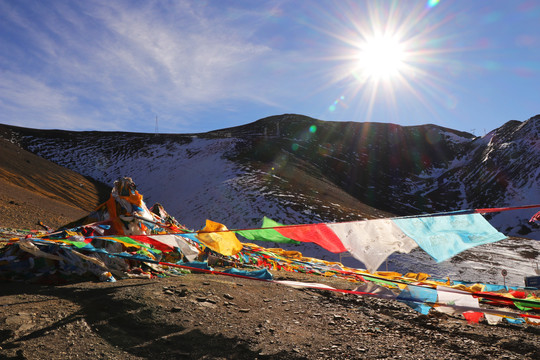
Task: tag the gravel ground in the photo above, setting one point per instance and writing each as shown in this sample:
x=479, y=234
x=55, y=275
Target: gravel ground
x=204, y=316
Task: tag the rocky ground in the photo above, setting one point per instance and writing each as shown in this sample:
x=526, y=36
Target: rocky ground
x=204, y=316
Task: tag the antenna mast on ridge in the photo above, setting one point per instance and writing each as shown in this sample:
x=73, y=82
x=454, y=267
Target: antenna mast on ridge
x=156, y=130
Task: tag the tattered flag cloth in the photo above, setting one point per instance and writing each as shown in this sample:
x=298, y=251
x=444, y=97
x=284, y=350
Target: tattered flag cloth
x=454, y=297
x=125, y=213
x=419, y=298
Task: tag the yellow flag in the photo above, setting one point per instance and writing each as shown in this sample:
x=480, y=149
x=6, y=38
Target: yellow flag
x=217, y=237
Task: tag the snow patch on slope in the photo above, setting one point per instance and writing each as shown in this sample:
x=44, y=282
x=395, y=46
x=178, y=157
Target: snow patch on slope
x=194, y=181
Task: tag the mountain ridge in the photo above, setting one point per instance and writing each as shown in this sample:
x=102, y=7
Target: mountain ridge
x=382, y=169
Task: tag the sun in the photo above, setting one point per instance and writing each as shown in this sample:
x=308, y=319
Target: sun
x=387, y=58
x=381, y=58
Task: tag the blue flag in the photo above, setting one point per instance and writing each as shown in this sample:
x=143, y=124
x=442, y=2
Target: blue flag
x=445, y=236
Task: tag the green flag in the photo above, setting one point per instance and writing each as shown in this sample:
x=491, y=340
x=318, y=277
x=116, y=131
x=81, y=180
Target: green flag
x=266, y=233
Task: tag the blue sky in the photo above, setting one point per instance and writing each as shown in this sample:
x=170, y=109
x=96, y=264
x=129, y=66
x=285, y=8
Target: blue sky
x=205, y=65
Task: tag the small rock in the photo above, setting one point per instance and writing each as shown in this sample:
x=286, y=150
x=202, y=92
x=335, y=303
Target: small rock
x=182, y=292
x=207, y=304
x=228, y=296
x=243, y=310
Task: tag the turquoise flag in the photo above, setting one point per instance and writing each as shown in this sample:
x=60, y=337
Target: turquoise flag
x=445, y=236
x=416, y=297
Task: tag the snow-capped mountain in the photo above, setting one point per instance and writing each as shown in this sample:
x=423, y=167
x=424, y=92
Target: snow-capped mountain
x=295, y=169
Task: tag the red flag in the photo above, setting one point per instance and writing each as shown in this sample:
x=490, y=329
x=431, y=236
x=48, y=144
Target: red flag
x=319, y=234
x=535, y=217
x=156, y=244
x=472, y=316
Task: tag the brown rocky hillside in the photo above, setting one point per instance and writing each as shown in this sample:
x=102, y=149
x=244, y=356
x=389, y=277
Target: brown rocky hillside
x=33, y=189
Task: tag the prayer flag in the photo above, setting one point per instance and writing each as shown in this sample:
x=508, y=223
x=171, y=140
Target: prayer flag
x=445, y=236
x=218, y=238
x=472, y=316
x=155, y=243
x=266, y=233
x=319, y=234
x=372, y=241
x=416, y=296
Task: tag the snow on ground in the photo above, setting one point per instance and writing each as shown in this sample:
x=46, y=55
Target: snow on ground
x=192, y=180
x=194, y=183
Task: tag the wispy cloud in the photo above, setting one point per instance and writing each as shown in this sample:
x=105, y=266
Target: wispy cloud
x=115, y=62
x=23, y=96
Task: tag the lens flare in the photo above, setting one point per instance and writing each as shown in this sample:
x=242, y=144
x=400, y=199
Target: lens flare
x=340, y=100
